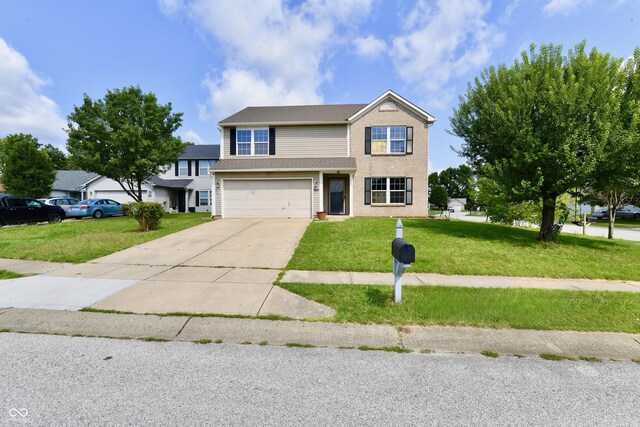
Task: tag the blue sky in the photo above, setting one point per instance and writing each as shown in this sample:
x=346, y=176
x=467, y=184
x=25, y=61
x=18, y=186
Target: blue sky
x=210, y=58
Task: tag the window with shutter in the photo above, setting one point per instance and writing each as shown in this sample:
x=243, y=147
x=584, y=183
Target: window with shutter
x=367, y=191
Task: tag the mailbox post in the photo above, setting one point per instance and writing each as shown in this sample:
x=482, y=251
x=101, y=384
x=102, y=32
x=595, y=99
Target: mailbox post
x=403, y=255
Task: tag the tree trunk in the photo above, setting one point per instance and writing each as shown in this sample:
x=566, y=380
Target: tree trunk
x=139, y=191
x=612, y=220
x=548, y=218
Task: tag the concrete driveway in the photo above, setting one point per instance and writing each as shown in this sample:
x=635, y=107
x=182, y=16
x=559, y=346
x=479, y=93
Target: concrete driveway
x=252, y=243
x=222, y=267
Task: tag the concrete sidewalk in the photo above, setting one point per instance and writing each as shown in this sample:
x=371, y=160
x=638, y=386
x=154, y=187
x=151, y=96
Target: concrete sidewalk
x=415, y=338
x=431, y=279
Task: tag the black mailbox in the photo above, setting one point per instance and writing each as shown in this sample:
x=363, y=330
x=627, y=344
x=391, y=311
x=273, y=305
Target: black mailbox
x=402, y=251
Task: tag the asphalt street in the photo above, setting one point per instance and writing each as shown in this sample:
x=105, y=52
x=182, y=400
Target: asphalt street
x=57, y=380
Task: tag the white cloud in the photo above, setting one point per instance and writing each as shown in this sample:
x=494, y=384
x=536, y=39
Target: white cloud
x=275, y=52
x=563, y=7
x=193, y=136
x=370, y=46
x=170, y=7
x=442, y=42
x=23, y=107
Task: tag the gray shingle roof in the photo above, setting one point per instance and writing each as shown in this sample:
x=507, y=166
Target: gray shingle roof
x=294, y=114
x=170, y=183
x=71, y=180
x=201, y=152
x=331, y=163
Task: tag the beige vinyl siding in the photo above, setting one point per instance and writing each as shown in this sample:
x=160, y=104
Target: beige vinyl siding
x=305, y=141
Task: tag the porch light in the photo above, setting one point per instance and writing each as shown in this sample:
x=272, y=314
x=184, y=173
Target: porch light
x=218, y=184
x=315, y=186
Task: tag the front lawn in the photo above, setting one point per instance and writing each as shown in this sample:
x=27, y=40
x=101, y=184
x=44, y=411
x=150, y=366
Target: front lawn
x=83, y=240
x=460, y=247
x=479, y=307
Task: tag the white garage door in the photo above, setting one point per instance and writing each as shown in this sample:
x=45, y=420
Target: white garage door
x=267, y=199
x=118, y=196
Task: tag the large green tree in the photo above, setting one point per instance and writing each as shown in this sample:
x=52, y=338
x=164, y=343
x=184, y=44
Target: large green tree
x=26, y=167
x=540, y=123
x=460, y=182
x=127, y=136
x=57, y=156
x=615, y=180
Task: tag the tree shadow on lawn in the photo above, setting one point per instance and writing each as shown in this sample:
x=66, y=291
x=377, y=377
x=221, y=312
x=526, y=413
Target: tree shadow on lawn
x=513, y=236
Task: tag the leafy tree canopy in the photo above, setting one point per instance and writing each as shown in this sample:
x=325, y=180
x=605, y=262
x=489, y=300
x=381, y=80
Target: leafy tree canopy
x=26, y=167
x=439, y=196
x=57, y=156
x=541, y=122
x=127, y=136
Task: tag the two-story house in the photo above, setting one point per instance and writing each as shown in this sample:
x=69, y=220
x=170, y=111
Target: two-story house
x=351, y=159
x=184, y=186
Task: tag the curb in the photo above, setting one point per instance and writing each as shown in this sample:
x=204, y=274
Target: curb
x=321, y=334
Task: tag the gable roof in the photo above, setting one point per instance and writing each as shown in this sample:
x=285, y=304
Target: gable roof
x=293, y=114
x=170, y=183
x=202, y=152
x=394, y=96
x=315, y=114
x=72, y=180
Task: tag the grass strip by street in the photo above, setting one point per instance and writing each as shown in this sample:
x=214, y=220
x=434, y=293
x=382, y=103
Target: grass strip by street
x=4, y=275
x=466, y=248
x=83, y=240
x=478, y=307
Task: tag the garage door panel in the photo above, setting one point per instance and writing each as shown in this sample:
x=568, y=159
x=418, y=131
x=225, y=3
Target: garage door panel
x=267, y=198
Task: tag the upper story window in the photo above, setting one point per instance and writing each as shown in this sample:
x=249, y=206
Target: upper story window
x=388, y=139
x=252, y=142
x=183, y=168
x=204, y=166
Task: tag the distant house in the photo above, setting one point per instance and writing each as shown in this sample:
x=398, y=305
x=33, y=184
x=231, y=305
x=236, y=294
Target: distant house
x=456, y=204
x=72, y=183
x=184, y=186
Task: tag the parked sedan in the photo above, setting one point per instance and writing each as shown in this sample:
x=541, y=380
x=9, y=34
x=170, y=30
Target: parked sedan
x=622, y=213
x=20, y=210
x=97, y=208
x=64, y=202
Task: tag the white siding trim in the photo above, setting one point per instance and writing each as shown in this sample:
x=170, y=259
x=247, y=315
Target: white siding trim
x=350, y=194
x=213, y=194
x=321, y=191
x=221, y=129
x=349, y=140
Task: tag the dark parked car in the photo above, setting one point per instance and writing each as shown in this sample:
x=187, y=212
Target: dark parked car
x=20, y=210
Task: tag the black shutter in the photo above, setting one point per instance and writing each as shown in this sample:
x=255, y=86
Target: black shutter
x=197, y=198
x=272, y=141
x=367, y=141
x=232, y=141
x=409, y=140
x=409, y=191
x=197, y=167
x=177, y=168
x=189, y=167
x=367, y=191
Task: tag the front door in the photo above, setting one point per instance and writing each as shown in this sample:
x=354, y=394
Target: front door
x=182, y=207
x=336, y=196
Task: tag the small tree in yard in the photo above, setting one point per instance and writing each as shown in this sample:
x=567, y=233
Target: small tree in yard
x=540, y=123
x=26, y=169
x=127, y=136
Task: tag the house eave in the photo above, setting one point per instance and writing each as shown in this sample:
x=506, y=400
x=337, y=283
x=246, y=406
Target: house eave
x=285, y=170
x=290, y=123
x=428, y=117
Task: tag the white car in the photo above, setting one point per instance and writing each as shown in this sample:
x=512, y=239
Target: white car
x=64, y=202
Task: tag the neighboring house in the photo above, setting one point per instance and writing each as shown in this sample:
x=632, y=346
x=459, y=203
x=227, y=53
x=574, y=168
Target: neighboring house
x=352, y=159
x=456, y=204
x=71, y=183
x=184, y=186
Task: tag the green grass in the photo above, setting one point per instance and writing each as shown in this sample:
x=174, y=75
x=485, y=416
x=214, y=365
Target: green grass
x=489, y=353
x=81, y=241
x=459, y=247
x=479, y=307
x=4, y=274
x=203, y=342
x=394, y=349
x=556, y=357
x=620, y=223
